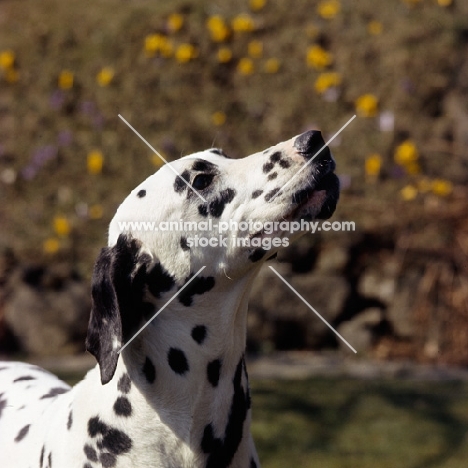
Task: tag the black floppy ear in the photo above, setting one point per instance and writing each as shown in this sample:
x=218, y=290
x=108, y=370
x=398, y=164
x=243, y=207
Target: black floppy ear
x=117, y=294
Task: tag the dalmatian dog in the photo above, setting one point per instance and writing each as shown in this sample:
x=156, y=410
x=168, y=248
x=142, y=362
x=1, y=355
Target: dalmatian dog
x=177, y=396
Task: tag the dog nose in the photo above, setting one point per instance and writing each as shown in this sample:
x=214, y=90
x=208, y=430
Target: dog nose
x=308, y=144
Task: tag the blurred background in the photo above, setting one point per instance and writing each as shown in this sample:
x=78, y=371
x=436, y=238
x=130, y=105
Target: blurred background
x=243, y=76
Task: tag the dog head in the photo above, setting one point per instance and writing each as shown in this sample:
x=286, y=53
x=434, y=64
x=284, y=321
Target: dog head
x=203, y=211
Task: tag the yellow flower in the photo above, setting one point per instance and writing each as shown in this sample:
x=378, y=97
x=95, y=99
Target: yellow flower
x=366, y=105
x=95, y=162
x=328, y=9
x=219, y=31
x=255, y=49
x=175, y=22
x=105, y=76
x=409, y=192
x=218, y=118
x=257, y=5
x=186, y=52
x=95, y=211
x=65, y=79
x=157, y=43
x=243, y=23
x=327, y=80
x=11, y=75
x=272, y=65
x=444, y=3
x=374, y=28
x=51, y=245
x=245, y=66
x=156, y=160
x=373, y=165
x=441, y=187
x=318, y=58
x=7, y=59
x=406, y=153
x=61, y=226
x=224, y=55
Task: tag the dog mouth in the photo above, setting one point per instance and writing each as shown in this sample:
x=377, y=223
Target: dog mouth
x=317, y=201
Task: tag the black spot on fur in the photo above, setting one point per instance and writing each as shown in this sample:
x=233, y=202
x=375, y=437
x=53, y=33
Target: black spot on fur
x=257, y=255
x=87, y=465
x=3, y=404
x=141, y=194
x=199, y=333
x=271, y=194
x=204, y=166
x=159, y=280
x=199, y=285
x=41, y=458
x=275, y=157
x=124, y=384
x=95, y=427
x=90, y=453
x=50, y=460
x=252, y=463
x=179, y=184
x=222, y=451
x=70, y=420
x=219, y=152
x=24, y=378
x=117, y=442
x=203, y=210
x=267, y=167
x=256, y=193
x=177, y=361
x=213, y=371
x=123, y=407
x=183, y=243
x=53, y=392
x=149, y=370
x=273, y=176
x=284, y=163
x=22, y=433
x=114, y=440
x=107, y=460
x=216, y=207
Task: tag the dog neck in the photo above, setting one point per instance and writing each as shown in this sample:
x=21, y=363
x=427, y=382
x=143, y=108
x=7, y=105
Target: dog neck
x=189, y=384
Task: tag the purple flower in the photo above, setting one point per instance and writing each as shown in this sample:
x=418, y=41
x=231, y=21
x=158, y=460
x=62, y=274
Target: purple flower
x=56, y=99
x=397, y=172
x=88, y=107
x=65, y=138
x=29, y=172
x=43, y=154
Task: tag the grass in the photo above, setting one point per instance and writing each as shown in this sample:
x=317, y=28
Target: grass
x=360, y=424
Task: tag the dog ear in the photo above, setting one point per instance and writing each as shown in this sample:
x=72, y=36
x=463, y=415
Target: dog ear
x=117, y=293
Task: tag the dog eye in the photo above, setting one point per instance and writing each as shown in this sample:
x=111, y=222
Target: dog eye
x=202, y=181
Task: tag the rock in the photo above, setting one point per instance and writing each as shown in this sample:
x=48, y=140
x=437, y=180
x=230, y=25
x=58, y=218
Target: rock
x=47, y=311
x=289, y=322
x=379, y=280
x=359, y=332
